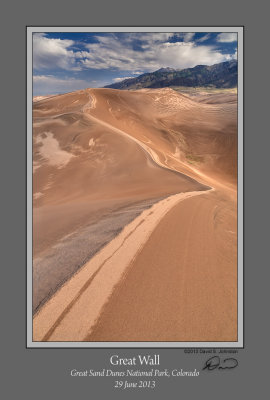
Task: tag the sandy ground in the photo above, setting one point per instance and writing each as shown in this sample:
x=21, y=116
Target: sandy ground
x=171, y=273
x=183, y=284
x=75, y=249
x=95, y=282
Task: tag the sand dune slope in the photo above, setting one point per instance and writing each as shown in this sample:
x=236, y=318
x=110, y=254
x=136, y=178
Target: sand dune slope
x=183, y=284
x=84, y=165
x=177, y=127
x=101, y=155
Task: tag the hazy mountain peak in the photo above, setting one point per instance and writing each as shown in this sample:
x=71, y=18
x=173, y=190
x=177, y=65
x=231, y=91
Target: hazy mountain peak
x=166, y=69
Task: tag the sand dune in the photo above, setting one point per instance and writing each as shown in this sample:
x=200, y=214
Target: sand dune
x=113, y=170
x=183, y=284
x=99, y=152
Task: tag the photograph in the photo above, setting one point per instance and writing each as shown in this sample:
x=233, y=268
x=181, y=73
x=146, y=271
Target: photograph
x=135, y=186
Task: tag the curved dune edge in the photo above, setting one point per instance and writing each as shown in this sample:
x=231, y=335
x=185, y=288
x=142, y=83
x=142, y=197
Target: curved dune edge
x=180, y=166
x=73, y=311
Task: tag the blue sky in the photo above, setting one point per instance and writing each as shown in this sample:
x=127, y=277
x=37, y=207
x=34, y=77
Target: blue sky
x=64, y=62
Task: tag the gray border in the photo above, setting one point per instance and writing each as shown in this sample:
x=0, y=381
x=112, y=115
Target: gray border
x=237, y=344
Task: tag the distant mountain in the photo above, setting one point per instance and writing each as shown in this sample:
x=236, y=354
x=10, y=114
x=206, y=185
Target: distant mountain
x=222, y=75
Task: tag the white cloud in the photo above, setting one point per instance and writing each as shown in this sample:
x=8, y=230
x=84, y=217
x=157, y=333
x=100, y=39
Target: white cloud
x=120, y=53
x=149, y=37
x=127, y=52
x=49, y=84
x=204, y=38
x=122, y=79
x=53, y=53
x=185, y=36
x=227, y=37
x=235, y=55
x=188, y=36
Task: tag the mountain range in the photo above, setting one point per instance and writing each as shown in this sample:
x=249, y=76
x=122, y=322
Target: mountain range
x=222, y=75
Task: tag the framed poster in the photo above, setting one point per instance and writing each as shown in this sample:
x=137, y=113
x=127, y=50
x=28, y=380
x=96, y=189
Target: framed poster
x=123, y=273
x=135, y=188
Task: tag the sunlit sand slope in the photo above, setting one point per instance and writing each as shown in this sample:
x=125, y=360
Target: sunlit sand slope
x=85, y=169
x=108, y=155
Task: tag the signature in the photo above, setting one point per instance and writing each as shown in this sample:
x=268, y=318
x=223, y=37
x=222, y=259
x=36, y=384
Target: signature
x=216, y=363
